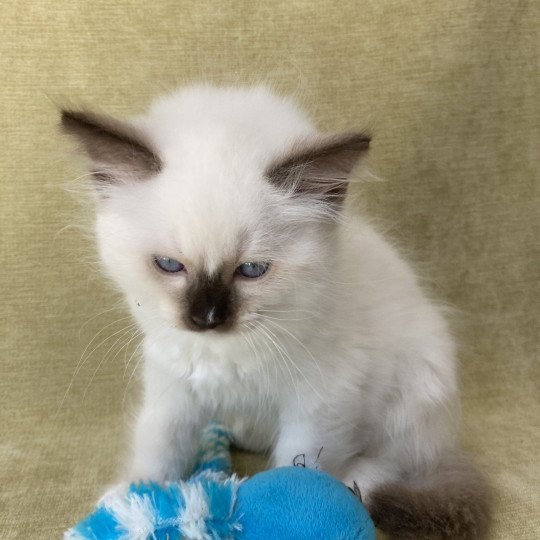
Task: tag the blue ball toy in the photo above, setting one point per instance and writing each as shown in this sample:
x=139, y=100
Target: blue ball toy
x=289, y=503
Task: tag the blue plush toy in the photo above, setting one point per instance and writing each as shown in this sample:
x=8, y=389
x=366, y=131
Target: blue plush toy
x=286, y=503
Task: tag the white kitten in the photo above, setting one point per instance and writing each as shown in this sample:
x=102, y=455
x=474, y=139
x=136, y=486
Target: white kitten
x=266, y=306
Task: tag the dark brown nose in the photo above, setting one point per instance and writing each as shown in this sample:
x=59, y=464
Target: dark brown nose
x=209, y=304
x=208, y=319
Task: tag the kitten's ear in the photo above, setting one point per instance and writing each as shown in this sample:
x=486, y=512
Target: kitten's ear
x=116, y=150
x=320, y=168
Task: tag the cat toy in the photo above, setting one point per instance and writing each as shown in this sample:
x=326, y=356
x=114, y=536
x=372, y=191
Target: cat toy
x=286, y=503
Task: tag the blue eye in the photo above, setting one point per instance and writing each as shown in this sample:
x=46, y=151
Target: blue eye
x=168, y=265
x=253, y=269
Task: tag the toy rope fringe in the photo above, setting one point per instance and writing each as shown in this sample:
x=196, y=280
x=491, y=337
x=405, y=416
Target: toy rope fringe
x=200, y=508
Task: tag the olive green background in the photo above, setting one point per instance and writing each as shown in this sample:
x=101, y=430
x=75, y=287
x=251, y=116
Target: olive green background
x=450, y=91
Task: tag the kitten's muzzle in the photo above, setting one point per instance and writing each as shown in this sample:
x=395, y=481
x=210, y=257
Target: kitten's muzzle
x=209, y=305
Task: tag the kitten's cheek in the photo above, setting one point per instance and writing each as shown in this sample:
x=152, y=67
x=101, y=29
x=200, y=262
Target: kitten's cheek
x=170, y=312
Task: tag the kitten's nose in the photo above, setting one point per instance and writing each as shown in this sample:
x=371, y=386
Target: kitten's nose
x=209, y=303
x=208, y=319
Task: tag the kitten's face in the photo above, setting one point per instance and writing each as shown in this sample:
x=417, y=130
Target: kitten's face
x=211, y=227
x=182, y=252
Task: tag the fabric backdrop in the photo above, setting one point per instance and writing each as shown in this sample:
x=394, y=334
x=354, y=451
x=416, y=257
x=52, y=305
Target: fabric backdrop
x=450, y=91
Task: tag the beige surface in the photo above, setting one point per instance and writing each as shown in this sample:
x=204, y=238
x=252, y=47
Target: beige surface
x=450, y=90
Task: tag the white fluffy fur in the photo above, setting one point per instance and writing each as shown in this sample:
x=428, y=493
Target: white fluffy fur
x=195, y=514
x=339, y=349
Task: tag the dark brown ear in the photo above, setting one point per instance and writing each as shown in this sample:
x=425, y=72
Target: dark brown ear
x=320, y=168
x=116, y=150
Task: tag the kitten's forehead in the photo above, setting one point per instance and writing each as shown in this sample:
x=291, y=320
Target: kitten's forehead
x=214, y=220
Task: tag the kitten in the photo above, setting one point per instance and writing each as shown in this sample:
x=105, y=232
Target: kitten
x=265, y=305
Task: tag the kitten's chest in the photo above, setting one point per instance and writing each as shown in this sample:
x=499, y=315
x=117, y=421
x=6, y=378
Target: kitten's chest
x=216, y=380
x=224, y=377
x=239, y=396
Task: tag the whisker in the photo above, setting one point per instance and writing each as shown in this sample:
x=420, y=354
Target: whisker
x=299, y=370
x=120, y=306
x=137, y=335
x=263, y=399
x=103, y=360
x=85, y=356
x=285, y=357
x=275, y=324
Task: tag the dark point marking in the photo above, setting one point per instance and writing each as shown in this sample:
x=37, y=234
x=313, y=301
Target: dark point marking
x=209, y=303
x=320, y=168
x=113, y=147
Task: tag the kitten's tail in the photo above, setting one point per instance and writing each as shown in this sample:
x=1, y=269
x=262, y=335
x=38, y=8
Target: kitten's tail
x=451, y=502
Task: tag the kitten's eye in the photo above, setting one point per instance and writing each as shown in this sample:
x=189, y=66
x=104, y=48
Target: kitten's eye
x=168, y=265
x=253, y=269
